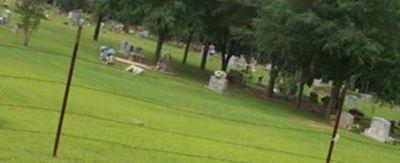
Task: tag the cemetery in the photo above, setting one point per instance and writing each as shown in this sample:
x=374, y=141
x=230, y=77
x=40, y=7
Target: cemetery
x=134, y=96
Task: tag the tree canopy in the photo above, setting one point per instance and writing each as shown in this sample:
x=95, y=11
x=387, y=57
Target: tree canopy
x=354, y=42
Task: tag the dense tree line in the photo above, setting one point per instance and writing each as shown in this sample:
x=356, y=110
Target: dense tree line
x=336, y=40
x=349, y=42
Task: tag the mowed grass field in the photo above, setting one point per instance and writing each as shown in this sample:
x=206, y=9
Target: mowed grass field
x=183, y=120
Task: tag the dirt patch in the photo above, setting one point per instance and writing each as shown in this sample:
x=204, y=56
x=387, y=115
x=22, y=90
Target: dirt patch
x=316, y=124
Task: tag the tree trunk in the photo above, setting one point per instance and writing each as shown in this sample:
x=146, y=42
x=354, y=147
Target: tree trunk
x=188, y=42
x=98, y=27
x=366, y=90
x=300, y=95
x=226, y=55
x=272, y=80
x=161, y=38
x=125, y=28
x=225, y=62
x=333, y=99
x=27, y=38
x=204, y=58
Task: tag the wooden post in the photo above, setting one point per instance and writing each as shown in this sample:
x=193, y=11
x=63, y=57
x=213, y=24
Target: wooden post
x=335, y=129
x=66, y=94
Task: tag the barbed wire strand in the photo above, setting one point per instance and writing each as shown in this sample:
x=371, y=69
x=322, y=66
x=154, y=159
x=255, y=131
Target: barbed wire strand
x=168, y=132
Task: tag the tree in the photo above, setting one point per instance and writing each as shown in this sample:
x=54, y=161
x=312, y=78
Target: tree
x=191, y=25
x=128, y=12
x=355, y=36
x=162, y=16
x=69, y=5
x=32, y=11
x=99, y=9
x=273, y=37
x=231, y=23
x=303, y=26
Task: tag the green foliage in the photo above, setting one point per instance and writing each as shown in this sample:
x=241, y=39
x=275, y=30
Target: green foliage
x=183, y=119
x=288, y=86
x=32, y=11
x=127, y=12
x=336, y=40
x=69, y=5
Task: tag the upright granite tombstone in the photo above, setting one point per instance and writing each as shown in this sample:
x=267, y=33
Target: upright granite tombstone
x=352, y=102
x=5, y=17
x=379, y=130
x=237, y=63
x=125, y=47
x=317, y=83
x=268, y=67
x=346, y=121
x=366, y=97
x=218, y=82
x=74, y=17
x=253, y=65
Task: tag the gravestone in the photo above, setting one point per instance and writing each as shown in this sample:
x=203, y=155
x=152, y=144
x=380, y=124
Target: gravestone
x=352, y=102
x=237, y=63
x=268, y=67
x=232, y=62
x=379, y=129
x=143, y=34
x=74, y=17
x=366, y=97
x=218, y=82
x=125, y=47
x=253, y=65
x=241, y=63
x=317, y=83
x=5, y=17
x=346, y=121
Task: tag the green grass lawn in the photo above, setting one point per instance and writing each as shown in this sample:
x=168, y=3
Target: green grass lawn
x=184, y=121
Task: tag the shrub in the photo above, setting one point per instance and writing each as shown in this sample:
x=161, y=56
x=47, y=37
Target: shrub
x=32, y=11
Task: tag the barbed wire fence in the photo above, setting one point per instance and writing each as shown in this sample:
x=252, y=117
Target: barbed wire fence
x=168, y=106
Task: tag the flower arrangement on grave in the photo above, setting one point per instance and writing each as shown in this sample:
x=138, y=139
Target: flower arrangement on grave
x=220, y=74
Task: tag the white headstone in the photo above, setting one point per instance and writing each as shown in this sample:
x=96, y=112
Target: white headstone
x=268, y=67
x=346, y=121
x=144, y=34
x=74, y=17
x=379, y=130
x=352, y=102
x=366, y=97
x=125, y=47
x=317, y=83
x=218, y=84
x=241, y=64
x=253, y=65
x=232, y=62
x=237, y=63
x=6, y=16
